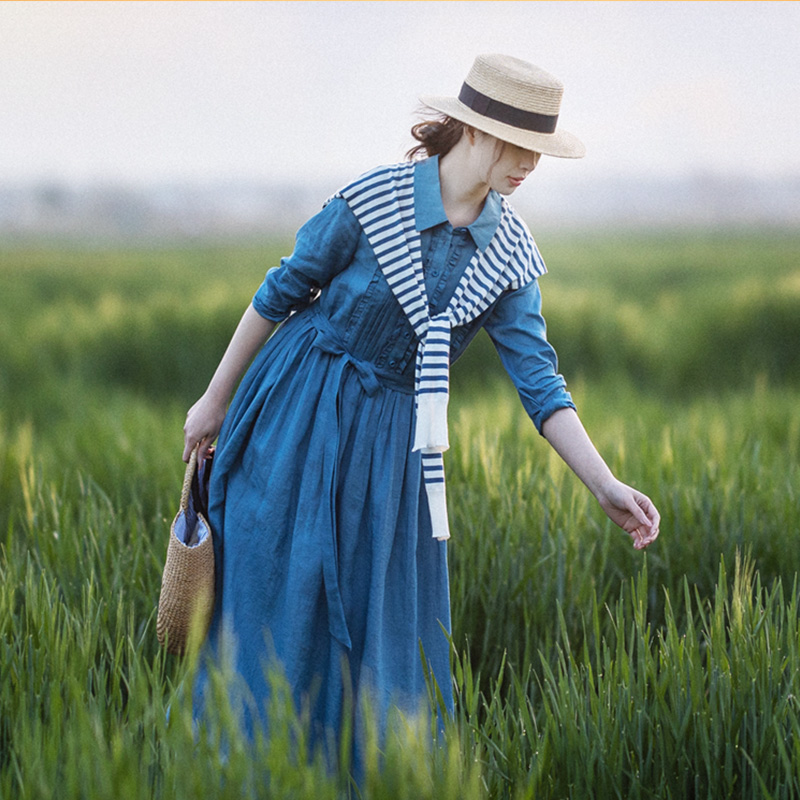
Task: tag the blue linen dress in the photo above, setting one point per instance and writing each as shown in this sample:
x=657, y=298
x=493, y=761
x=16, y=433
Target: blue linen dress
x=326, y=566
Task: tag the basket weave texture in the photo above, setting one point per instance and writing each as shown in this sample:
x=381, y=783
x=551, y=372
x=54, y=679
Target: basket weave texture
x=186, y=601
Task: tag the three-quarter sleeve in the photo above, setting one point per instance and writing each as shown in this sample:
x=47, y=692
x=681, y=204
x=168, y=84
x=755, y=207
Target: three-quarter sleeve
x=324, y=246
x=517, y=329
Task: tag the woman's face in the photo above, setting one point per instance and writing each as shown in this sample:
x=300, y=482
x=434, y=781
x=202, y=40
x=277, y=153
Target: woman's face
x=501, y=165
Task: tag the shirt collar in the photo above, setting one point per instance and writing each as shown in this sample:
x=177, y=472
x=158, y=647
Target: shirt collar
x=429, y=211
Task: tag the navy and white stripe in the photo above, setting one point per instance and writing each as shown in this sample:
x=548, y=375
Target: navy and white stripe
x=383, y=202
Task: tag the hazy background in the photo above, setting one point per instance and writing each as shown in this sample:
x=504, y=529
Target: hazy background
x=191, y=118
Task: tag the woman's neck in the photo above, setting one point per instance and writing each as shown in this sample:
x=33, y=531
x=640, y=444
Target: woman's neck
x=463, y=192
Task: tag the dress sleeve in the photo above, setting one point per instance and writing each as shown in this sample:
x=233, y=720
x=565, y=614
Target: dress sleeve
x=517, y=329
x=324, y=246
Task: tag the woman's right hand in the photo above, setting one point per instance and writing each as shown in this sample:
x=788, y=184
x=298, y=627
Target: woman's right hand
x=203, y=422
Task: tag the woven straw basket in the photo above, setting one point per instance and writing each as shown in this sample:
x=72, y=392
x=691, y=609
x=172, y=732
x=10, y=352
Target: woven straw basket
x=187, y=585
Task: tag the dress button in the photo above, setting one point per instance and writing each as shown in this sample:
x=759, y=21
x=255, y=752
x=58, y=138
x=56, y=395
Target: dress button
x=392, y=362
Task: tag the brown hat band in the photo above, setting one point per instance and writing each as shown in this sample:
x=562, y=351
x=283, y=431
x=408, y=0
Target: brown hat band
x=502, y=112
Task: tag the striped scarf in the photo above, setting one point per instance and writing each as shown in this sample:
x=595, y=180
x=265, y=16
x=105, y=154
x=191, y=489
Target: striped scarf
x=383, y=202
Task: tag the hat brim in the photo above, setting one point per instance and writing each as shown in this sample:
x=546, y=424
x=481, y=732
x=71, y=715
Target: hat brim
x=560, y=144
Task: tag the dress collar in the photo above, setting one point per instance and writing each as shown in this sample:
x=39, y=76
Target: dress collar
x=429, y=211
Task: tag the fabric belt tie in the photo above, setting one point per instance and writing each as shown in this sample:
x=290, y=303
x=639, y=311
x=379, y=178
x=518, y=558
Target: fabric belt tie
x=328, y=342
x=329, y=415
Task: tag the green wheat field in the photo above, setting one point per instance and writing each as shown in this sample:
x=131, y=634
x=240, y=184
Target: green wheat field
x=581, y=668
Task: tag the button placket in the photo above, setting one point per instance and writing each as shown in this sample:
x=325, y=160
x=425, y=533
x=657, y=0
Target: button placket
x=388, y=355
x=455, y=245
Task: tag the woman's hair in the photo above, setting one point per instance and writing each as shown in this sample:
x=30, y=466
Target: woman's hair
x=436, y=136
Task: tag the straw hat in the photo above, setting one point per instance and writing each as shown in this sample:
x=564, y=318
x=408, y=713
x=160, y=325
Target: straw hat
x=514, y=101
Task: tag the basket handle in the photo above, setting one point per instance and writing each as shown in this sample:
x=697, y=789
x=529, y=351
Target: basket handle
x=187, y=478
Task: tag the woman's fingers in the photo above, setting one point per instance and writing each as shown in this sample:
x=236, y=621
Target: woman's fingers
x=635, y=506
x=196, y=431
x=205, y=446
x=648, y=533
x=200, y=439
x=203, y=422
x=643, y=512
x=188, y=446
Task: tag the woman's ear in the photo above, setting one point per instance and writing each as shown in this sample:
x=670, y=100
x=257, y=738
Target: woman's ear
x=470, y=134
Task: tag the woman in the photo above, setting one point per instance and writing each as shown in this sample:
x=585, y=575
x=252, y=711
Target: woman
x=327, y=494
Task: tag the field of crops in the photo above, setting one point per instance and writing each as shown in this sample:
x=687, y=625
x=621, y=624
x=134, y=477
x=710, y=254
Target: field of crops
x=582, y=668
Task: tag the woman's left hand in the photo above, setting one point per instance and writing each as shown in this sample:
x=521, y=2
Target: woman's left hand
x=633, y=511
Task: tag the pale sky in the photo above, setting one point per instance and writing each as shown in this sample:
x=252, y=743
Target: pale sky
x=145, y=92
